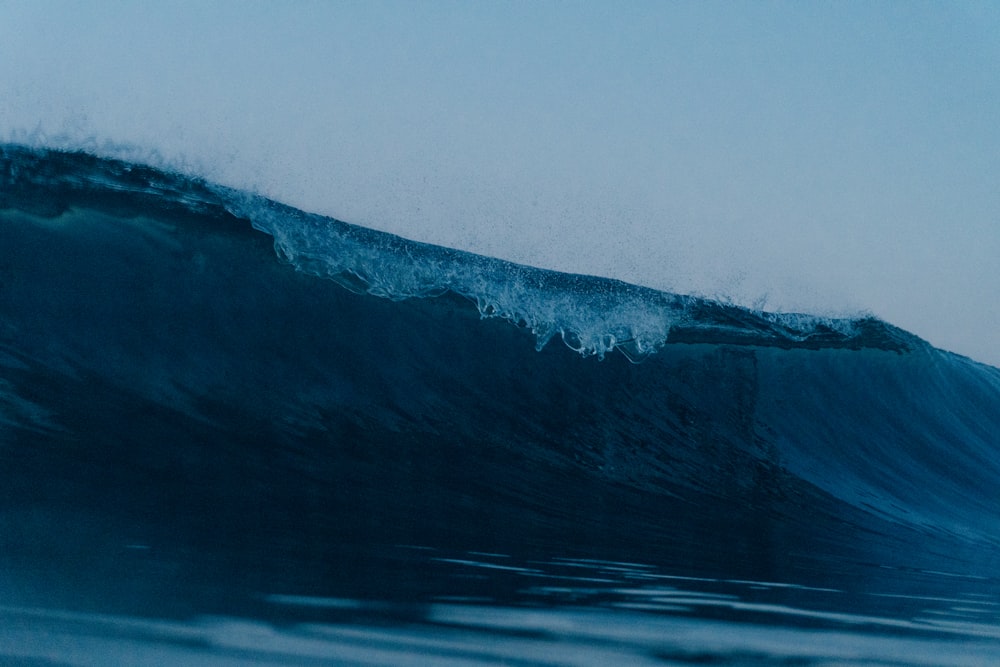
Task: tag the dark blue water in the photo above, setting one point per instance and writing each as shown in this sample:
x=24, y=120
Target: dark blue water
x=234, y=432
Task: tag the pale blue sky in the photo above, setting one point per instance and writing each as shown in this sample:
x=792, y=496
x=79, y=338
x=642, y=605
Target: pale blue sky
x=828, y=157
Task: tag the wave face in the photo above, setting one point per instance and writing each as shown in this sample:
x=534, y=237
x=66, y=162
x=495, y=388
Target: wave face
x=190, y=400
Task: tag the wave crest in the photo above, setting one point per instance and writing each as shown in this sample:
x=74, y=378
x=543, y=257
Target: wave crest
x=591, y=315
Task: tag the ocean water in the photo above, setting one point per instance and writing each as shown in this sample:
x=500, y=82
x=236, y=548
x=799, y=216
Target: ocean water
x=232, y=432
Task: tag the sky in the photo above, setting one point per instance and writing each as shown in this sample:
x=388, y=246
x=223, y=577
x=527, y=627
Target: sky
x=832, y=158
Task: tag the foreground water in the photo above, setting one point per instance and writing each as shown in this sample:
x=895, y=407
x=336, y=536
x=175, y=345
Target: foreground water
x=232, y=432
x=505, y=611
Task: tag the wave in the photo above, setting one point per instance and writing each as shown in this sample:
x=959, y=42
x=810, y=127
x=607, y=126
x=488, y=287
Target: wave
x=175, y=369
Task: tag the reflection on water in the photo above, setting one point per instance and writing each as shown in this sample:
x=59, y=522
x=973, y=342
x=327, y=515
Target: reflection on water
x=493, y=609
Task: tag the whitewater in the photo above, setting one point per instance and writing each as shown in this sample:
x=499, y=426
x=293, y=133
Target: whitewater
x=234, y=431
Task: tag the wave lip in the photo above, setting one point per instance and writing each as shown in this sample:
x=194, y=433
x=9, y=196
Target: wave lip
x=591, y=315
